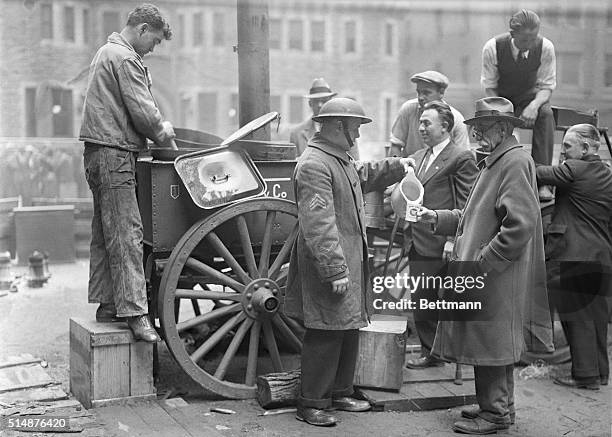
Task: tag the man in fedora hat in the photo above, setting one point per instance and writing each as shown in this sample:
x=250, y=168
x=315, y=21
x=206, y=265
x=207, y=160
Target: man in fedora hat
x=520, y=66
x=405, y=137
x=498, y=237
x=319, y=94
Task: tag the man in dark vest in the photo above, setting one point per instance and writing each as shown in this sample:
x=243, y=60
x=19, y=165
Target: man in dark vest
x=520, y=66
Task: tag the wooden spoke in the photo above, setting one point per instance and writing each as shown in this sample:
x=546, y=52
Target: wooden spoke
x=295, y=326
x=183, y=293
x=283, y=254
x=232, y=348
x=251, y=372
x=208, y=317
x=287, y=333
x=266, y=244
x=247, y=246
x=208, y=270
x=272, y=347
x=216, y=337
x=222, y=250
x=196, y=307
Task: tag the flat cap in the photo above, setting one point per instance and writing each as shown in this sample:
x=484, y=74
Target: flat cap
x=432, y=77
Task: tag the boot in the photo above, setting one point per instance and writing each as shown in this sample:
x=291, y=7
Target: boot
x=143, y=329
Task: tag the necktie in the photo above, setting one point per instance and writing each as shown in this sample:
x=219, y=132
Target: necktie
x=521, y=59
x=425, y=163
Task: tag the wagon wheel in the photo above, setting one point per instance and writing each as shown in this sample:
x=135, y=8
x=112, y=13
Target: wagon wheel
x=252, y=279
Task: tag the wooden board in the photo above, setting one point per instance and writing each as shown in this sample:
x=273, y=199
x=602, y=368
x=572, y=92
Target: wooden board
x=190, y=418
x=22, y=377
x=38, y=394
x=436, y=374
x=16, y=360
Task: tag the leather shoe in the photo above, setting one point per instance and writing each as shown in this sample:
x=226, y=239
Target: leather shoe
x=315, y=416
x=571, y=382
x=478, y=426
x=107, y=313
x=603, y=380
x=472, y=413
x=143, y=329
x=348, y=403
x=545, y=193
x=424, y=362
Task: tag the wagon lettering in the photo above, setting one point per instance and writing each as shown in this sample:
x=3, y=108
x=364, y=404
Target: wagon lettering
x=277, y=191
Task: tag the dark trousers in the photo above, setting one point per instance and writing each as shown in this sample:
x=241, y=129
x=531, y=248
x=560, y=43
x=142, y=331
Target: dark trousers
x=495, y=392
x=578, y=292
x=116, y=272
x=328, y=366
x=424, y=320
x=543, y=138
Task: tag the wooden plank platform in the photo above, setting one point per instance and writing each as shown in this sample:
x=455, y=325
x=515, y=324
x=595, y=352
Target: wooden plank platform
x=425, y=389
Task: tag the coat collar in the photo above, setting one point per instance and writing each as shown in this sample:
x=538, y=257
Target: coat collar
x=510, y=143
x=322, y=144
x=591, y=158
x=117, y=38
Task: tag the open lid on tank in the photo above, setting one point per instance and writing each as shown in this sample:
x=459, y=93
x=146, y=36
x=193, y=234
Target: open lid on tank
x=251, y=127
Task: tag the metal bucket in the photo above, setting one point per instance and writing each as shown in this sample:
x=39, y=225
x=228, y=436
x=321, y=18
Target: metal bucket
x=375, y=210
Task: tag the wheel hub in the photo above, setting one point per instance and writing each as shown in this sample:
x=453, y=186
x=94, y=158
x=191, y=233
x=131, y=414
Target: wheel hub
x=260, y=298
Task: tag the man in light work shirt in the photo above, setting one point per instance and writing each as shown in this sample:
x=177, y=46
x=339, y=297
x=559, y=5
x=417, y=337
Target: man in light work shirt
x=405, y=137
x=520, y=66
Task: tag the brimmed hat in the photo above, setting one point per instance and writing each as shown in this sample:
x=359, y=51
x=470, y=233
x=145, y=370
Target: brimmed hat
x=319, y=90
x=432, y=77
x=494, y=108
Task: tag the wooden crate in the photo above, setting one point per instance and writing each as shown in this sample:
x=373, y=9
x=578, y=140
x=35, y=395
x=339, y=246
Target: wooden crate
x=380, y=361
x=107, y=366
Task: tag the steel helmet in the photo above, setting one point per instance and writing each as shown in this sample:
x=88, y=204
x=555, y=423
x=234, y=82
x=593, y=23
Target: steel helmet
x=340, y=107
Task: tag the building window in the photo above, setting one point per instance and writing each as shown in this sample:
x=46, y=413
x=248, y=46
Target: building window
x=46, y=21
x=317, y=36
x=207, y=112
x=439, y=22
x=86, y=27
x=69, y=23
x=180, y=31
x=572, y=17
x=110, y=23
x=276, y=32
x=61, y=108
x=388, y=114
x=296, y=35
x=389, y=36
x=350, y=37
x=275, y=103
x=186, y=111
x=608, y=73
x=570, y=68
x=465, y=69
x=218, y=29
x=296, y=109
x=234, y=110
x=30, y=110
x=198, y=29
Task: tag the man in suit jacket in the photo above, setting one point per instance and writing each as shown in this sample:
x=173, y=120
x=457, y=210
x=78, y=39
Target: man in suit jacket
x=579, y=253
x=447, y=172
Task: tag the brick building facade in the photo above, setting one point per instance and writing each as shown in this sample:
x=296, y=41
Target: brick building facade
x=365, y=49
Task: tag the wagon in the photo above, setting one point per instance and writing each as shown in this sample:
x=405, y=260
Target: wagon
x=216, y=267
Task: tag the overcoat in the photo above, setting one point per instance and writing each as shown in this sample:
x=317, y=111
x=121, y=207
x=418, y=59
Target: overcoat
x=501, y=228
x=331, y=241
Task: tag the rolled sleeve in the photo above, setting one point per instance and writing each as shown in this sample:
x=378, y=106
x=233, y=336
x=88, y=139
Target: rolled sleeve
x=489, y=76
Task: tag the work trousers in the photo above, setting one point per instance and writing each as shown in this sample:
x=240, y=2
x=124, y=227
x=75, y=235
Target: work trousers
x=116, y=272
x=328, y=366
x=495, y=392
x=425, y=321
x=543, y=135
x=578, y=291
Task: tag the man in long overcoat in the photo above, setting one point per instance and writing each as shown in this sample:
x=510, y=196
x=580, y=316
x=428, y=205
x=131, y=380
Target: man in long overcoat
x=500, y=229
x=326, y=286
x=579, y=253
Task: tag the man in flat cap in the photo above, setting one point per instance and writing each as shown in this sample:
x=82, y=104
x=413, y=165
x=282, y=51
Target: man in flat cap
x=405, y=137
x=498, y=237
x=520, y=66
x=319, y=94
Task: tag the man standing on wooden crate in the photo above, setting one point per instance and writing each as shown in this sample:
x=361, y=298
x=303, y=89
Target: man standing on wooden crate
x=447, y=172
x=498, y=238
x=520, y=65
x=119, y=114
x=327, y=278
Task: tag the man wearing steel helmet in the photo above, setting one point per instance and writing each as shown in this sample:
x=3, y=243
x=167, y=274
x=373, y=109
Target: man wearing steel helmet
x=405, y=137
x=498, y=237
x=326, y=286
x=319, y=94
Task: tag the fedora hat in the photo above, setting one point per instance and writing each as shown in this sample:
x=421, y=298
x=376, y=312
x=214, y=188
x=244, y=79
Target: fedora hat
x=494, y=108
x=319, y=90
